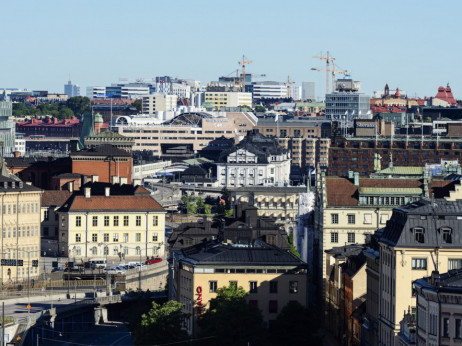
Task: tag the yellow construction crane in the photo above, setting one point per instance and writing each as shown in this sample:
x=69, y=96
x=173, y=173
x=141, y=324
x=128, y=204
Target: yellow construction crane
x=327, y=69
x=288, y=83
x=243, y=63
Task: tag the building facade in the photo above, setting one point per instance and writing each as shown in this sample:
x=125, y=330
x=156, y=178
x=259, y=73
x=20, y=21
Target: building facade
x=112, y=221
x=269, y=90
x=71, y=90
x=228, y=99
x=20, y=236
x=158, y=103
x=256, y=161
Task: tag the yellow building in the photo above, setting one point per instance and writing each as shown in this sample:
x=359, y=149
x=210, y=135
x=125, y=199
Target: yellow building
x=112, y=221
x=228, y=99
x=20, y=217
x=420, y=238
x=273, y=277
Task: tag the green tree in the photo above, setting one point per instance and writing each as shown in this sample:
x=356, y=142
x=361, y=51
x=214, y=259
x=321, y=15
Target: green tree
x=200, y=204
x=78, y=104
x=207, y=209
x=296, y=325
x=64, y=112
x=137, y=104
x=162, y=324
x=293, y=249
x=260, y=109
x=231, y=320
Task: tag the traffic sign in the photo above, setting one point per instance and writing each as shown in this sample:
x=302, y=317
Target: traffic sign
x=28, y=306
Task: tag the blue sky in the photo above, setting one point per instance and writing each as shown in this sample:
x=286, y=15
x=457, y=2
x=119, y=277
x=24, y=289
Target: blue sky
x=410, y=44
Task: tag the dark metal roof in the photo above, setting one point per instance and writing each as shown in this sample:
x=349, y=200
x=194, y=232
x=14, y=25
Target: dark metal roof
x=102, y=150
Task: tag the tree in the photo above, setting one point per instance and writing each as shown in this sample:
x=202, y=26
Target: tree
x=200, y=204
x=293, y=249
x=137, y=104
x=78, y=104
x=207, y=209
x=231, y=320
x=260, y=109
x=162, y=324
x=296, y=325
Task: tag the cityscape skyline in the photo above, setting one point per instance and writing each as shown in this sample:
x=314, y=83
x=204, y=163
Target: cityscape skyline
x=95, y=52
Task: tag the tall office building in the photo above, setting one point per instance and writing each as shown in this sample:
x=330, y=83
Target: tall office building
x=308, y=91
x=71, y=90
x=346, y=100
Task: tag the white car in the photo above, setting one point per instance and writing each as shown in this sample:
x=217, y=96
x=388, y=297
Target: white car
x=114, y=270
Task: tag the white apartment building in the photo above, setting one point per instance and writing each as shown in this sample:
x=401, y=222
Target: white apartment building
x=269, y=90
x=158, y=103
x=256, y=161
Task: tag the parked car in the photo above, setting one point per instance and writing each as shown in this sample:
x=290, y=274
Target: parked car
x=59, y=269
x=114, y=270
x=153, y=260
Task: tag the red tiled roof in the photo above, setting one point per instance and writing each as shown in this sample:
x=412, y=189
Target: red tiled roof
x=341, y=192
x=115, y=203
x=54, y=198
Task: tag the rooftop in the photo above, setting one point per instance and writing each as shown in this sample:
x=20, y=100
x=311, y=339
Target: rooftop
x=102, y=150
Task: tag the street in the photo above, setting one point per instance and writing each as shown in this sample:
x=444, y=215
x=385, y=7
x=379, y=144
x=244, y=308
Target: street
x=110, y=334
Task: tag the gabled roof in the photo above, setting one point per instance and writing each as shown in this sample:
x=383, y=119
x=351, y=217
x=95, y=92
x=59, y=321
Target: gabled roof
x=112, y=204
x=55, y=198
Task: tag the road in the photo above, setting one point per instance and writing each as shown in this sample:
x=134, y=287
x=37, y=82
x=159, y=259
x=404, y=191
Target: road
x=110, y=334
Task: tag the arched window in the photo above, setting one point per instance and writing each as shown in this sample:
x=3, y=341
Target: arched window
x=155, y=250
x=115, y=251
x=106, y=250
x=138, y=250
x=78, y=251
x=94, y=250
x=447, y=234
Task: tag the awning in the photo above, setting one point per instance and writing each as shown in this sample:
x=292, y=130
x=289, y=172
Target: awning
x=267, y=199
x=283, y=200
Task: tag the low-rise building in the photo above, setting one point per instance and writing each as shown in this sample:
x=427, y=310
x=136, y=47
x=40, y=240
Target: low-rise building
x=112, y=221
x=256, y=161
x=228, y=99
x=273, y=277
x=20, y=236
x=439, y=308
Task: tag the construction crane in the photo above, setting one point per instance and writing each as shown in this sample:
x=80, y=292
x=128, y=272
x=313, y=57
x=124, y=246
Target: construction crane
x=243, y=63
x=327, y=69
x=288, y=83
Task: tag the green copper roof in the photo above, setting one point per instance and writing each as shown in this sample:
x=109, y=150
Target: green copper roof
x=383, y=191
x=99, y=118
x=403, y=170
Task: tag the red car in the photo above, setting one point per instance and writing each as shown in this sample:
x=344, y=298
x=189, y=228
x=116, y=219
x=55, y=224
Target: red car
x=153, y=260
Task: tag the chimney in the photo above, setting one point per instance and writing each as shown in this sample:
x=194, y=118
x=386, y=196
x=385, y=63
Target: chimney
x=17, y=154
x=107, y=191
x=356, y=178
x=87, y=192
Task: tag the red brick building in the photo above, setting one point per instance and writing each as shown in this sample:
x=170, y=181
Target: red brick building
x=108, y=163
x=50, y=127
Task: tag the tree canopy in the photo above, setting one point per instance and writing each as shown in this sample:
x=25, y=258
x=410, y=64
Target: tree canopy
x=57, y=110
x=231, y=320
x=162, y=324
x=78, y=104
x=137, y=104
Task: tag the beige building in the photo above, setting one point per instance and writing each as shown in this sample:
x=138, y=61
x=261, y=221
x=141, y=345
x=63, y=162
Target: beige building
x=420, y=238
x=112, y=221
x=307, y=140
x=20, y=213
x=273, y=277
x=228, y=99
x=191, y=130
x=158, y=103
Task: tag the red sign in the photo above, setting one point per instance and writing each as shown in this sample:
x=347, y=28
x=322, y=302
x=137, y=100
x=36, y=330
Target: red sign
x=199, y=306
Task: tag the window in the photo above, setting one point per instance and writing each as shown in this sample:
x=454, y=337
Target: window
x=447, y=235
x=78, y=221
x=419, y=235
x=368, y=218
x=273, y=288
x=273, y=306
x=212, y=286
x=445, y=327
x=116, y=221
x=419, y=263
x=125, y=237
x=106, y=250
x=78, y=238
x=454, y=263
x=253, y=287
x=106, y=237
x=115, y=251
x=138, y=250
x=45, y=214
x=94, y=250
x=383, y=218
x=126, y=220
x=94, y=237
x=351, y=237
x=115, y=237
x=351, y=219
x=106, y=221
x=155, y=220
x=138, y=220
x=78, y=252
x=334, y=218
x=138, y=236
x=457, y=327
x=293, y=286
x=154, y=237
x=334, y=237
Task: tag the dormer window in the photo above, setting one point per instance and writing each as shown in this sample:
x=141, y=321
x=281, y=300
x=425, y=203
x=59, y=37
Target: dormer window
x=419, y=235
x=447, y=235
